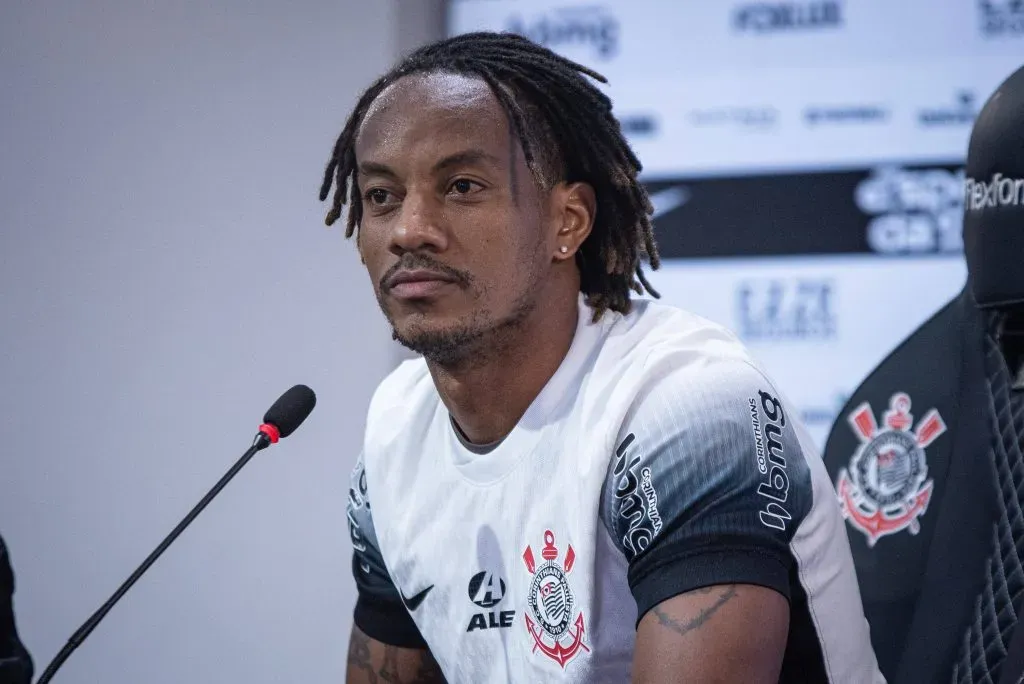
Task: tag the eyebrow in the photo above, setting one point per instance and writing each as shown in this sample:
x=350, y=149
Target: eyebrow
x=463, y=158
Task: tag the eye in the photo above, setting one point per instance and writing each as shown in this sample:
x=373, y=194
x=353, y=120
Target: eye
x=464, y=186
x=377, y=196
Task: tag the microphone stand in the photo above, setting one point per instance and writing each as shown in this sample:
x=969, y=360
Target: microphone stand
x=262, y=441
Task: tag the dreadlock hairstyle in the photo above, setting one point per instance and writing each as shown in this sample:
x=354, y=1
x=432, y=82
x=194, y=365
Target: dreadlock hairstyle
x=561, y=120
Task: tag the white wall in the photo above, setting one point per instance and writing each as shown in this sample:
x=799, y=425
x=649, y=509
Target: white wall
x=164, y=275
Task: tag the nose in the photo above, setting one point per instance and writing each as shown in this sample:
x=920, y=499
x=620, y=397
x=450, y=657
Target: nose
x=420, y=226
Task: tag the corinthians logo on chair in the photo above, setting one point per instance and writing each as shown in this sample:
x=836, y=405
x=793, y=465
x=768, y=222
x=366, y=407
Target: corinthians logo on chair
x=886, y=488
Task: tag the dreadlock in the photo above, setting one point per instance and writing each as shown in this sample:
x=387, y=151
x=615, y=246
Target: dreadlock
x=550, y=105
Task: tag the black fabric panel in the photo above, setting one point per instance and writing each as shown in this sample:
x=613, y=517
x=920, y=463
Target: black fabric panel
x=387, y=621
x=16, y=665
x=804, y=662
x=729, y=563
x=994, y=618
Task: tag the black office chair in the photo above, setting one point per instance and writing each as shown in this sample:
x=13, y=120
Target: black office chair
x=15, y=663
x=927, y=454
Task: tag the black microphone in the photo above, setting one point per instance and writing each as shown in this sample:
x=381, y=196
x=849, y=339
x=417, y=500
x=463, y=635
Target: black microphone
x=281, y=420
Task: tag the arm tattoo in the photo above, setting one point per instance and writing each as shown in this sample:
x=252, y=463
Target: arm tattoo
x=359, y=655
x=360, y=658
x=389, y=668
x=429, y=672
x=683, y=628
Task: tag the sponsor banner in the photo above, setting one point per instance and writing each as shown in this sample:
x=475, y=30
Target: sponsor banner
x=729, y=35
x=799, y=118
x=1000, y=19
x=818, y=325
x=719, y=87
x=889, y=210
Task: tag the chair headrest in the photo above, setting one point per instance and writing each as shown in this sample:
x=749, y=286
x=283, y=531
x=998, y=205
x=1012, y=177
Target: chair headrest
x=994, y=198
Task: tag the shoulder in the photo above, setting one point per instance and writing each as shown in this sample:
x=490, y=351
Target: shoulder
x=655, y=340
x=708, y=446
x=679, y=359
x=401, y=397
x=409, y=376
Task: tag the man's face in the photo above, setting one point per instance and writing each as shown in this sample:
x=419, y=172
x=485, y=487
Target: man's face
x=456, y=233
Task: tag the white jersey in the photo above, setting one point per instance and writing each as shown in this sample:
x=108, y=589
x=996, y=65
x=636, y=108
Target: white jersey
x=657, y=460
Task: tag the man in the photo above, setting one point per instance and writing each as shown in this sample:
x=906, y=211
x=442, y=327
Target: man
x=15, y=663
x=569, y=486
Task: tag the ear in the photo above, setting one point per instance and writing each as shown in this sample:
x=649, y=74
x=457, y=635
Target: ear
x=575, y=206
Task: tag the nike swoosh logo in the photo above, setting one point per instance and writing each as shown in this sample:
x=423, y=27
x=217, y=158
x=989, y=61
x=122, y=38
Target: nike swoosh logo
x=668, y=199
x=413, y=602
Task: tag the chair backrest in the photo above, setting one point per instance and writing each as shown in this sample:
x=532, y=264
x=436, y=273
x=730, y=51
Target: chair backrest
x=911, y=456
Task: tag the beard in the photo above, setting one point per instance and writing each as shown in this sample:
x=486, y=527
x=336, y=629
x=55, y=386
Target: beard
x=476, y=339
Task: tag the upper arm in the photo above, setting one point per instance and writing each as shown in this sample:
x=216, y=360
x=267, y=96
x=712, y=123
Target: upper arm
x=723, y=633
x=385, y=640
x=708, y=484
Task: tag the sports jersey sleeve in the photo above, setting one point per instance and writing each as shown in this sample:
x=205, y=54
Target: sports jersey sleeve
x=380, y=612
x=707, y=484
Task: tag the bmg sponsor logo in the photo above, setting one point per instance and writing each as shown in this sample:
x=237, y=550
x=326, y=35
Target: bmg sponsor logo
x=750, y=118
x=786, y=309
x=767, y=421
x=814, y=415
x=997, y=192
x=639, y=125
x=914, y=211
x=774, y=17
x=848, y=114
x=1001, y=18
x=572, y=28
x=636, y=498
x=961, y=112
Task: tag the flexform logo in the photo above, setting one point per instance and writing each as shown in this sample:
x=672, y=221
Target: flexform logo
x=786, y=309
x=592, y=28
x=774, y=17
x=914, y=211
x=486, y=590
x=997, y=192
x=960, y=113
x=845, y=114
x=1001, y=18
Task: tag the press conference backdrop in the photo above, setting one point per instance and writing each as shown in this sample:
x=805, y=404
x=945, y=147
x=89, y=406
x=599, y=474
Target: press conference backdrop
x=804, y=158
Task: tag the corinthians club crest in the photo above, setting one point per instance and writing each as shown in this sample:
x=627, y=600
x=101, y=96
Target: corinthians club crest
x=555, y=633
x=885, y=490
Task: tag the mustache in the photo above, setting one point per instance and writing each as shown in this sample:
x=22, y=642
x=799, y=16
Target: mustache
x=411, y=261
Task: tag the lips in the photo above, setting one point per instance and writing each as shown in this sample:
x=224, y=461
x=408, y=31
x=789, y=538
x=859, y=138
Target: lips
x=417, y=283
x=417, y=276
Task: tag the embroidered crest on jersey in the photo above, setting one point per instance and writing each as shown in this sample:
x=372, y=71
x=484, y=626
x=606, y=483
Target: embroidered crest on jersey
x=555, y=633
x=886, y=488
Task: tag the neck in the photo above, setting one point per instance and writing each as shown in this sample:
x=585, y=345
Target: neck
x=487, y=398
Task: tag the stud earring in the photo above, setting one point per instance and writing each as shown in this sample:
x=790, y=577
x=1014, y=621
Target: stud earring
x=563, y=249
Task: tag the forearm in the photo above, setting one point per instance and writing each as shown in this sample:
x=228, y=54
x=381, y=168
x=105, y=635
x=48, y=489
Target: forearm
x=373, y=662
